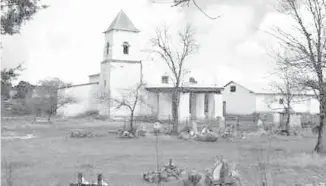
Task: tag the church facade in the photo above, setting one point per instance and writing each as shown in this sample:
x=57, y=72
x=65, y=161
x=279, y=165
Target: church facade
x=121, y=71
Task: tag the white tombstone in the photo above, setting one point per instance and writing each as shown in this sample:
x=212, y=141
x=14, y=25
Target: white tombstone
x=259, y=123
x=157, y=126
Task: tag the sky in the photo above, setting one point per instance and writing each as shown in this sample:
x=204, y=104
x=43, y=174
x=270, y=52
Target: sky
x=66, y=40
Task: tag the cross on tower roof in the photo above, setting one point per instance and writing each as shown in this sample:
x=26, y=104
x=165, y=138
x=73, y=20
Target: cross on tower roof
x=122, y=22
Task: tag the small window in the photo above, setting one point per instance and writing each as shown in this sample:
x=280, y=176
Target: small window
x=233, y=88
x=125, y=48
x=165, y=79
x=104, y=83
x=107, y=48
x=281, y=101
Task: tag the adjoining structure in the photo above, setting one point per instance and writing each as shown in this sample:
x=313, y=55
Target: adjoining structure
x=121, y=71
x=238, y=99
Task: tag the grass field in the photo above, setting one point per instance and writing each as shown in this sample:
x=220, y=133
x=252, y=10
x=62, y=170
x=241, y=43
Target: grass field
x=53, y=158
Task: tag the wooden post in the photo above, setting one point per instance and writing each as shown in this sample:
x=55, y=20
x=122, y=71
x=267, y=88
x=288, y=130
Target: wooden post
x=79, y=179
x=169, y=123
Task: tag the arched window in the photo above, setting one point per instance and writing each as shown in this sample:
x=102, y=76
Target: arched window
x=125, y=48
x=107, y=48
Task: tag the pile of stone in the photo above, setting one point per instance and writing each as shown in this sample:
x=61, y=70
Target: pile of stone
x=166, y=173
x=206, y=134
x=228, y=132
x=81, y=134
x=82, y=182
x=125, y=134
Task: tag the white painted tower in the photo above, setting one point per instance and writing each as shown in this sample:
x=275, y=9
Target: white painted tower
x=121, y=66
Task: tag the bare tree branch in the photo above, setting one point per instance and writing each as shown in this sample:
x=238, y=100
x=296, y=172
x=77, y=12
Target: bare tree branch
x=304, y=51
x=174, y=59
x=183, y=3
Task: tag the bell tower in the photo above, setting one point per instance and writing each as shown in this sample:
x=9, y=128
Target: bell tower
x=121, y=66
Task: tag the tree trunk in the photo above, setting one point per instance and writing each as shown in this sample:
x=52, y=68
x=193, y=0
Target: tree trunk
x=49, y=118
x=175, y=109
x=287, y=124
x=320, y=146
x=132, y=122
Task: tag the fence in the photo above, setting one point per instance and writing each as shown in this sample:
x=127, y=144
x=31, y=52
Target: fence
x=306, y=120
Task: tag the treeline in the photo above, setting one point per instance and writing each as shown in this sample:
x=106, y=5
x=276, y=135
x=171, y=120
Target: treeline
x=41, y=99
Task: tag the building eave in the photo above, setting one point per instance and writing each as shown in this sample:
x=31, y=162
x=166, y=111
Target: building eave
x=93, y=75
x=120, y=61
x=282, y=94
x=126, y=30
x=239, y=85
x=216, y=90
x=78, y=85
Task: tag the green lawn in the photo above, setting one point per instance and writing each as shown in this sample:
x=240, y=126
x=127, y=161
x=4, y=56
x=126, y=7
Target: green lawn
x=54, y=158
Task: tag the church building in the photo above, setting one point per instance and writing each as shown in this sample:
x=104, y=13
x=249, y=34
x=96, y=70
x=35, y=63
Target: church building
x=121, y=71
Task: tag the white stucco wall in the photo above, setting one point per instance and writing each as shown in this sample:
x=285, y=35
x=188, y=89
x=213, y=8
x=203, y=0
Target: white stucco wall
x=165, y=106
x=184, y=107
x=218, y=99
x=200, y=105
x=85, y=100
x=239, y=102
x=307, y=104
x=116, y=39
x=104, y=82
x=108, y=38
x=94, y=78
x=314, y=106
x=124, y=76
x=149, y=105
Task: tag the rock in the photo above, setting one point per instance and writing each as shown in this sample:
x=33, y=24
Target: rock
x=194, y=178
x=184, y=135
x=207, y=137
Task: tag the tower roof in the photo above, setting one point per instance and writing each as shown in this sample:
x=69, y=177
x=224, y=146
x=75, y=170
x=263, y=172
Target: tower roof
x=122, y=22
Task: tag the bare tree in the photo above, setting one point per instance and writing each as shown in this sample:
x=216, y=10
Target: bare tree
x=305, y=50
x=284, y=95
x=175, y=59
x=128, y=99
x=48, y=98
